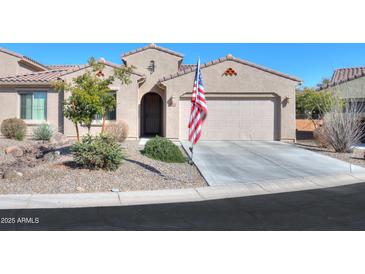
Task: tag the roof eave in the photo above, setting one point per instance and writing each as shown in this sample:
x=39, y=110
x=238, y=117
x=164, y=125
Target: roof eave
x=34, y=65
x=230, y=58
x=105, y=63
x=26, y=84
x=151, y=46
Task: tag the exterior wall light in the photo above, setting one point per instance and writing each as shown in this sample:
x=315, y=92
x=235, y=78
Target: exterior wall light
x=151, y=67
x=172, y=101
x=285, y=101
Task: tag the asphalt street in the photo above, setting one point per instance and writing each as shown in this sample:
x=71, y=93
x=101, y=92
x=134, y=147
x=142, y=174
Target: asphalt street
x=337, y=208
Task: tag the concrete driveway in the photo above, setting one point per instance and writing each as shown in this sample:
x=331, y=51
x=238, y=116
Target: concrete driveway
x=236, y=162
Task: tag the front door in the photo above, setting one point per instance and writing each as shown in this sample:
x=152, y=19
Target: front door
x=151, y=115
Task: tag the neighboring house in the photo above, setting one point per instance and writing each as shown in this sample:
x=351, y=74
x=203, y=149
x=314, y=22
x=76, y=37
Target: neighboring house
x=245, y=101
x=348, y=82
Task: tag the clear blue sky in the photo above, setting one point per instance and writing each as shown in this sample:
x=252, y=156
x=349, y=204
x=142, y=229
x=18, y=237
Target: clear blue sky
x=310, y=62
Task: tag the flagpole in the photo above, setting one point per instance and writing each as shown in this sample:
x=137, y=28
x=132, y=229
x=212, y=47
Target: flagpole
x=197, y=86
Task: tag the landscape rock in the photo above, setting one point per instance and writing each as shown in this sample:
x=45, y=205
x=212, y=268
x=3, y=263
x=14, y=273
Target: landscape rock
x=14, y=150
x=12, y=174
x=358, y=153
x=80, y=189
x=51, y=156
x=43, y=150
x=59, y=139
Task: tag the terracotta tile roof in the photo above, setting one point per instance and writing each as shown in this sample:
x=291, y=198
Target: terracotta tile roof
x=102, y=60
x=65, y=67
x=24, y=58
x=230, y=58
x=184, y=67
x=153, y=46
x=42, y=77
x=45, y=77
x=343, y=75
x=118, y=66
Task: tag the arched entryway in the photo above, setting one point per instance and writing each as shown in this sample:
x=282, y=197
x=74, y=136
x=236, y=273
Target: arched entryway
x=151, y=115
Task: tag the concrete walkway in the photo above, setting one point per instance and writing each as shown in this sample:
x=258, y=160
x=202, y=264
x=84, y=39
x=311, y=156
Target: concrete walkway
x=242, y=162
x=106, y=199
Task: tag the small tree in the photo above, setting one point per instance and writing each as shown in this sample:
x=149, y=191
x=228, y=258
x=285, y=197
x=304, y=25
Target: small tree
x=313, y=104
x=91, y=95
x=324, y=83
x=107, y=101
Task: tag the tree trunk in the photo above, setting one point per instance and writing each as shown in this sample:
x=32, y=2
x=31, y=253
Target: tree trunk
x=77, y=132
x=103, y=123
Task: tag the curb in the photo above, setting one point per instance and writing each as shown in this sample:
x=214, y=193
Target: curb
x=104, y=199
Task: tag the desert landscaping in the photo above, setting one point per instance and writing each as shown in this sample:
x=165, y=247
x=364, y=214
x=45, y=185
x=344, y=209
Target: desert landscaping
x=31, y=166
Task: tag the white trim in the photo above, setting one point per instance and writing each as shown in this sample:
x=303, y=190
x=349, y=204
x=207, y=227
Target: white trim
x=35, y=123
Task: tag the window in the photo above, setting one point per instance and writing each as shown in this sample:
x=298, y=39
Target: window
x=110, y=115
x=33, y=106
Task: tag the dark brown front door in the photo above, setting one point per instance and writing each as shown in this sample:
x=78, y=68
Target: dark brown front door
x=151, y=114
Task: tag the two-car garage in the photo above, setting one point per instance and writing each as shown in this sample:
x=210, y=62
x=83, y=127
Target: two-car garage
x=245, y=102
x=235, y=118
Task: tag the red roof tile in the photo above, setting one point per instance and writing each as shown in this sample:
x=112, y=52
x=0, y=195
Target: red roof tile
x=44, y=77
x=41, y=77
x=65, y=67
x=184, y=67
x=343, y=75
x=106, y=63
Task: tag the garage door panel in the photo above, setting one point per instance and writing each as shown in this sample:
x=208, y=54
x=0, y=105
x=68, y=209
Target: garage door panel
x=238, y=119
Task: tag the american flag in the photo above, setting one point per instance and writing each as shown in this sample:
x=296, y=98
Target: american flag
x=199, y=108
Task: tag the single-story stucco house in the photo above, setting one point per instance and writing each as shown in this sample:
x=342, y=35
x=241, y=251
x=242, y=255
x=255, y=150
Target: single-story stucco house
x=245, y=101
x=349, y=83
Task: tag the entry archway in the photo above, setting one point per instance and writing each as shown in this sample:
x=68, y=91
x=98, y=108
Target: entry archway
x=151, y=115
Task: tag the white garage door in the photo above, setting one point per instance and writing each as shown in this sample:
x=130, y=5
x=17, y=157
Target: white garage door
x=233, y=119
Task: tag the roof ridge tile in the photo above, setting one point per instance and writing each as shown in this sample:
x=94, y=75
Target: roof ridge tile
x=152, y=46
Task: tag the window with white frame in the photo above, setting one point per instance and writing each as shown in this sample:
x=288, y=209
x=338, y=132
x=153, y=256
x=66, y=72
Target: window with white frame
x=33, y=105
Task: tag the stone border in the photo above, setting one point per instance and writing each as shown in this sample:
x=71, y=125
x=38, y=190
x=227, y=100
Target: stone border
x=103, y=199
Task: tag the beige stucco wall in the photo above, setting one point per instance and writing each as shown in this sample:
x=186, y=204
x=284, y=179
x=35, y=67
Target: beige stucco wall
x=10, y=105
x=249, y=80
x=9, y=65
x=165, y=64
x=354, y=89
x=127, y=105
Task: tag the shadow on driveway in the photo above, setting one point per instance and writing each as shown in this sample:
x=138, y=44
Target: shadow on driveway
x=338, y=208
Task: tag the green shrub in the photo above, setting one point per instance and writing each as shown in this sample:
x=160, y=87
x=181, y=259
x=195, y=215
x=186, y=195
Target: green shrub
x=19, y=135
x=100, y=152
x=164, y=150
x=14, y=128
x=43, y=132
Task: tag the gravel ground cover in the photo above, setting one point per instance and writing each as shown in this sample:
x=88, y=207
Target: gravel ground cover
x=353, y=158
x=138, y=172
